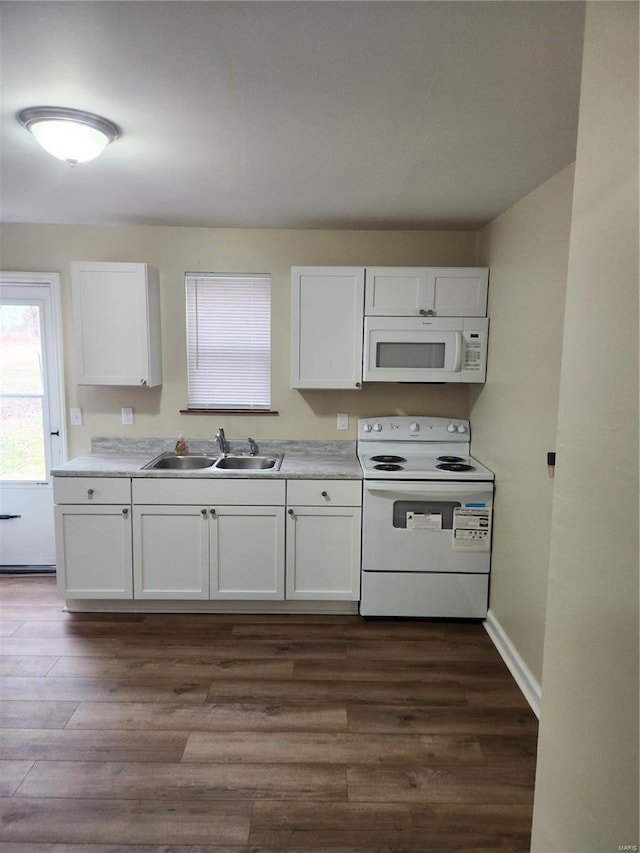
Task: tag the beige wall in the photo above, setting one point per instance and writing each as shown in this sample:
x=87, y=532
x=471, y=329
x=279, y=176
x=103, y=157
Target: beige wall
x=513, y=416
x=587, y=777
x=310, y=414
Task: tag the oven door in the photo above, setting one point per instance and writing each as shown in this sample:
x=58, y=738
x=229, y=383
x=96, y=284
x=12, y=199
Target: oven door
x=426, y=527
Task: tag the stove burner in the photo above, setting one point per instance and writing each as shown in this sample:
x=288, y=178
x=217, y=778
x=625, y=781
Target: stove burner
x=450, y=459
x=388, y=466
x=455, y=466
x=388, y=458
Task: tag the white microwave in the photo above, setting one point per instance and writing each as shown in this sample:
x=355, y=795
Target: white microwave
x=425, y=349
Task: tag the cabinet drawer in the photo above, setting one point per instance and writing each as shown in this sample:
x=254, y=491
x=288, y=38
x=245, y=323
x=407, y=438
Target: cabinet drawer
x=207, y=492
x=324, y=492
x=92, y=490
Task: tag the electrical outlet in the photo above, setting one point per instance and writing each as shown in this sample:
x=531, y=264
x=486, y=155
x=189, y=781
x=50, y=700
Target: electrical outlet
x=76, y=417
x=343, y=420
x=127, y=416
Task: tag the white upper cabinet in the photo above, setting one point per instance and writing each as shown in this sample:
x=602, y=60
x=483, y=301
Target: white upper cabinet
x=458, y=291
x=327, y=327
x=426, y=291
x=395, y=291
x=116, y=319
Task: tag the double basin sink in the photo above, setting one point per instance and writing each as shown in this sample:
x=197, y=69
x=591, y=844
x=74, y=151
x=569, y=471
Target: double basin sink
x=198, y=461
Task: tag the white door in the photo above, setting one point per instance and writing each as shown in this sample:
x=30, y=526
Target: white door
x=323, y=553
x=32, y=426
x=327, y=306
x=391, y=291
x=94, y=551
x=247, y=552
x=170, y=552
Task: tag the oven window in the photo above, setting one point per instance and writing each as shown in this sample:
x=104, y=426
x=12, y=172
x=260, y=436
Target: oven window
x=443, y=508
x=412, y=355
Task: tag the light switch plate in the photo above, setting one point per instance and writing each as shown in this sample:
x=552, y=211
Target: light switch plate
x=127, y=416
x=75, y=415
x=343, y=420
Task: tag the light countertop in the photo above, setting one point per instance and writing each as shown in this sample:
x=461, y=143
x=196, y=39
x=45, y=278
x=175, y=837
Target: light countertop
x=118, y=457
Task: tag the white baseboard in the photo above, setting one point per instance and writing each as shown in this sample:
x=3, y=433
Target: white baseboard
x=517, y=667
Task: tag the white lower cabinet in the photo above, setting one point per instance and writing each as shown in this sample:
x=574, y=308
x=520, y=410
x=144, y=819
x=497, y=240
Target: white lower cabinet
x=228, y=545
x=324, y=539
x=190, y=552
x=247, y=552
x=323, y=553
x=170, y=552
x=187, y=539
x=93, y=537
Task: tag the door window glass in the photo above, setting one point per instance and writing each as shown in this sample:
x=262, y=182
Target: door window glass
x=426, y=508
x=411, y=355
x=22, y=449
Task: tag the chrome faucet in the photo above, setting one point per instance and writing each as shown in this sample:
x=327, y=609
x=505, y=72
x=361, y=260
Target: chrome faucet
x=253, y=447
x=222, y=441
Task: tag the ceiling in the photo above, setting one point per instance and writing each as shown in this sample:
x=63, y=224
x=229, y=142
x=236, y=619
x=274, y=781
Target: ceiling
x=291, y=114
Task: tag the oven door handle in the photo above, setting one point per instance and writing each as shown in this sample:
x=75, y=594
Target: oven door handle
x=434, y=488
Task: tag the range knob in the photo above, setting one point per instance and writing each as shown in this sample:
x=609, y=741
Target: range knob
x=366, y=427
x=451, y=428
x=377, y=427
x=462, y=428
x=414, y=427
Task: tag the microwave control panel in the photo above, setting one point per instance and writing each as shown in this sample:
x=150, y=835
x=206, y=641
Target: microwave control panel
x=473, y=350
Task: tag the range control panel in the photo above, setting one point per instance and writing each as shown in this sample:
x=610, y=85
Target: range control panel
x=407, y=428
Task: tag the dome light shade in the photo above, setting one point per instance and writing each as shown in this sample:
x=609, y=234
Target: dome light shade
x=71, y=135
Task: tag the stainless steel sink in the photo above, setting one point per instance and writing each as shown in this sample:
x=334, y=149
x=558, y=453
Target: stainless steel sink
x=186, y=462
x=248, y=463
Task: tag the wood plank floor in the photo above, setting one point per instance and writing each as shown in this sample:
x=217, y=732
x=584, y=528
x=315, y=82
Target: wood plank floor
x=239, y=734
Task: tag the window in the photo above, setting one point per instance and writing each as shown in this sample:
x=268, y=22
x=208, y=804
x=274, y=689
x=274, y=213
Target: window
x=228, y=341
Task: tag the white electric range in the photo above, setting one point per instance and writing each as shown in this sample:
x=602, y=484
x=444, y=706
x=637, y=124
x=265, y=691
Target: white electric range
x=427, y=515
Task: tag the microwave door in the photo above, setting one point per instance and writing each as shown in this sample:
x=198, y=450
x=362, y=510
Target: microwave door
x=413, y=356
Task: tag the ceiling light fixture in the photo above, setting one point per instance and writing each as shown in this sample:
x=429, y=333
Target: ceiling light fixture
x=71, y=135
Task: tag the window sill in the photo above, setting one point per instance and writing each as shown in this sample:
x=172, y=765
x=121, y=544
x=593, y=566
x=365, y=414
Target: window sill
x=228, y=412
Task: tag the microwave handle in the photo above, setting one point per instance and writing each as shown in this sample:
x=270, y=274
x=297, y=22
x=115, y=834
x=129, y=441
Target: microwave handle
x=457, y=357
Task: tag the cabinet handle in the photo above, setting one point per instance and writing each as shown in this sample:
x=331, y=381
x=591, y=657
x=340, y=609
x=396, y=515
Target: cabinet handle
x=143, y=381
x=291, y=512
x=203, y=513
x=427, y=313
x=324, y=494
x=213, y=512
x=89, y=493
x=125, y=511
x=357, y=384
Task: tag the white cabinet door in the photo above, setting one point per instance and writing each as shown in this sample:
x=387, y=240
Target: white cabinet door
x=116, y=321
x=396, y=291
x=93, y=551
x=327, y=306
x=323, y=553
x=247, y=552
x=422, y=291
x=458, y=291
x=171, y=552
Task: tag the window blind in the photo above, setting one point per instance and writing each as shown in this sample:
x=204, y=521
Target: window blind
x=228, y=341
